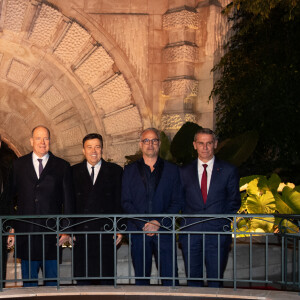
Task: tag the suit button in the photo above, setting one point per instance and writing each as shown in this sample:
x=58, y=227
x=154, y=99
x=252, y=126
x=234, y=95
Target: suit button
x=37, y=185
x=36, y=200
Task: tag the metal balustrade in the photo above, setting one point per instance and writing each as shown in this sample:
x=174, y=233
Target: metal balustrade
x=256, y=259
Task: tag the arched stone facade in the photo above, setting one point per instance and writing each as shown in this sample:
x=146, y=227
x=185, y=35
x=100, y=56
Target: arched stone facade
x=110, y=66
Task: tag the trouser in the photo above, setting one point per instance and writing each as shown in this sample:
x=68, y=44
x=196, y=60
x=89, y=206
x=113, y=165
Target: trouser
x=30, y=270
x=142, y=249
x=212, y=251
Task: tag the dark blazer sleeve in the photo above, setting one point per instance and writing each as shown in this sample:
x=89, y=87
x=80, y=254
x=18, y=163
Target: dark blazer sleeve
x=177, y=197
x=128, y=204
x=68, y=198
x=233, y=192
x=68, y=201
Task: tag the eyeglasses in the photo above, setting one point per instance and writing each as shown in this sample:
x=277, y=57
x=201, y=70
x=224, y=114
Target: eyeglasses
x=153, y=141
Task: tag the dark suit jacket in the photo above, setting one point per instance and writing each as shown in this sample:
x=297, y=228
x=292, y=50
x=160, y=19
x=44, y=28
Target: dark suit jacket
x=51, y=194
x=104, y=197
x=223, y=196
x=168, y=197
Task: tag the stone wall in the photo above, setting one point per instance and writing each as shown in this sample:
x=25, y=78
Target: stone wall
x=110, y=66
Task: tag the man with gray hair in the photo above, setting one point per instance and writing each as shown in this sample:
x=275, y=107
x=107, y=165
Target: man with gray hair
x=151, y=185
x=211, y=187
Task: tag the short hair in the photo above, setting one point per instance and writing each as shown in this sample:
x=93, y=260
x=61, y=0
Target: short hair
x=205, y=131
x=156, y=131
x=42, y=126
x=92, y=136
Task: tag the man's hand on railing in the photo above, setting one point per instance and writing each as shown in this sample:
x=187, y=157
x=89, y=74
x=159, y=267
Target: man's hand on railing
x=119, y=238
x=11, y=239
x=151, y=226
x=63, y=238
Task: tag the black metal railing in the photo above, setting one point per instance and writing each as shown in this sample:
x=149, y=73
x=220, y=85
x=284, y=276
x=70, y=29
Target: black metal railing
x=257, y=258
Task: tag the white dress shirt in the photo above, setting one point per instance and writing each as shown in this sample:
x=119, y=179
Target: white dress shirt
x=36, y=162
x=209, y=168
x=96, y=169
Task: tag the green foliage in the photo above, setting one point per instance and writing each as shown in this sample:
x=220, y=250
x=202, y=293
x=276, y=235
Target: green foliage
x=259, y=85
x=263, y=8
x=237, y=150
x=182, y=147
x=132, y=158
x=262, y=195
x=165, y=145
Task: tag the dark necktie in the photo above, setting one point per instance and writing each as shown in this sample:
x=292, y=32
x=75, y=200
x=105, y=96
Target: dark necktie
x=92, y=175
x=204, y=183
x=40, y=166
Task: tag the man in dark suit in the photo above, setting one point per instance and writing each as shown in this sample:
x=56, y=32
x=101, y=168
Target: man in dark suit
x=39, y=184
x=151, y=185
x=97, y=186
x=211, y=187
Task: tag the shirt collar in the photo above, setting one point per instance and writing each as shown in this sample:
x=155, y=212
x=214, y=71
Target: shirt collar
x=35, y=157
x=158, y=161
x=97, y=165
x=210, y=163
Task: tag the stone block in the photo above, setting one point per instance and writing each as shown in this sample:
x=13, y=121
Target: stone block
x=123, y=121
x=180, y=3
x=157, y=22
x=113, y=94
x=180, y=86
x=179, y=35
x=72, y=43
x=115, y=6
x=181, y=17
x=15, y=14
x=180, y=52
x=158, y=7
x=139, y=6
x=180, y=69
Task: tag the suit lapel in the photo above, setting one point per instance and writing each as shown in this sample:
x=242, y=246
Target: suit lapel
x=86, y=175
x=214, y=178
x=30, y=167
x=50, y=164
x=101, y=173
x=142, y=172
x=195, y=178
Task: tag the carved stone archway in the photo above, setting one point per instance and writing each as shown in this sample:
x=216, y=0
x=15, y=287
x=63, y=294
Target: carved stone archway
x=110, y=66
x=69, y=77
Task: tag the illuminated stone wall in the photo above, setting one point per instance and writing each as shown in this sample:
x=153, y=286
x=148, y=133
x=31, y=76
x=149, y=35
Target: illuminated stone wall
x=108, y=66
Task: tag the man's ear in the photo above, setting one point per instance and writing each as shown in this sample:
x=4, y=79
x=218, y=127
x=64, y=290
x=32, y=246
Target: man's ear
x=194, y=144
x=31, y=142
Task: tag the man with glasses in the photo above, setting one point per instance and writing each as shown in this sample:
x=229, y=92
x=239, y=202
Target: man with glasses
x=150, y=186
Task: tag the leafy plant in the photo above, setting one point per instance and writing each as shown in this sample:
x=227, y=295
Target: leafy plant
x=238, y=149
x=262, y=195
x=182, y=147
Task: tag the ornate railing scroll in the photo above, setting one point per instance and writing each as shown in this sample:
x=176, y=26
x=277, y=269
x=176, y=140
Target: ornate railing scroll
x=264, y=250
